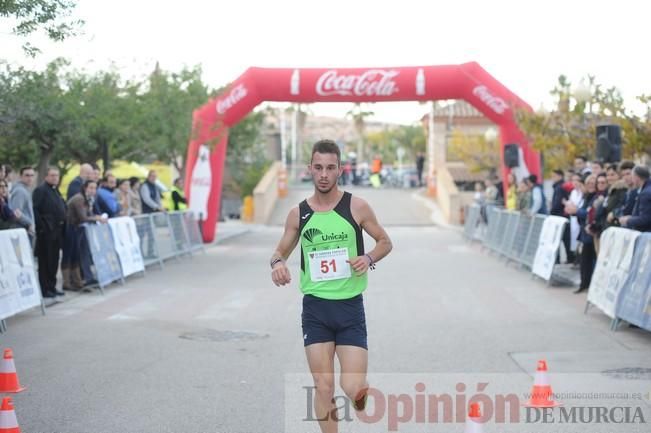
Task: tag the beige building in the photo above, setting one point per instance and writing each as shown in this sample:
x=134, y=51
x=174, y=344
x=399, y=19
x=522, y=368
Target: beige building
x=312, y=128
x=454, y=179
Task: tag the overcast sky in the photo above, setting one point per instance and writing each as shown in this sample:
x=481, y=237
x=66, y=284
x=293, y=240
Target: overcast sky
x=524, y=44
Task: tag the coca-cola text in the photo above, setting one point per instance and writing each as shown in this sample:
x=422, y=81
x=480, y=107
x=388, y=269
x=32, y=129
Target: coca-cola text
x=374, y=82
x=234, y=96
x=496, y=103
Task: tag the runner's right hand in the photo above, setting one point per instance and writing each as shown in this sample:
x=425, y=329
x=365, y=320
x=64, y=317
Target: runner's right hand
x=280, y=274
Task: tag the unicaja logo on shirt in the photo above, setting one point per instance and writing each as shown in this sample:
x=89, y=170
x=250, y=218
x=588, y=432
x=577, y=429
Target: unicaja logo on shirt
x=310, y=233
x=334, y=237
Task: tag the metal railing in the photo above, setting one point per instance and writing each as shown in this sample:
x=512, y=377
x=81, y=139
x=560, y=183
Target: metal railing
x=513, y=235
x=166, y=235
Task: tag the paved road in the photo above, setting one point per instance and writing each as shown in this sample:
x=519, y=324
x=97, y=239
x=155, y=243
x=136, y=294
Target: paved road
x=394, y=207
x=210, y=345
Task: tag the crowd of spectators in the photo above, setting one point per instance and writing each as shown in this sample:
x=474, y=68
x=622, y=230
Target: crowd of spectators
x=591, y=195
x=55, y=224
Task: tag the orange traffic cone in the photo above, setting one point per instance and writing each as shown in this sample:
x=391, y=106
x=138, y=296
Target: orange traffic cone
x=8, y=376
x=473, y=423
x=8, y=422
x=541, y=392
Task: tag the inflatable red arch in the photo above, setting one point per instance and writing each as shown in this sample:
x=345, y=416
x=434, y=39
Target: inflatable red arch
x=468, y=81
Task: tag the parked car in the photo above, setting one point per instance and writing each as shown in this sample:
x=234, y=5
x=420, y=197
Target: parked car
x=406, y=177
x=409, y=177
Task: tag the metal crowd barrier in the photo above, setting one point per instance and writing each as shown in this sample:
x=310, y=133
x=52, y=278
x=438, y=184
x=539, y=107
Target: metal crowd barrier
x=166, y=235
x=148, y=245
x=519, y=243
x=512, y=221
x=472, y=222
x=192, y=231
x=513, y=235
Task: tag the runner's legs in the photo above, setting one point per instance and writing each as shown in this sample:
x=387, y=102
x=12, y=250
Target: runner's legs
x=354, y=365
x=320, y=358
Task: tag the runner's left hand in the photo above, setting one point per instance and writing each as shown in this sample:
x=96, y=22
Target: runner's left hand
x=359, y=264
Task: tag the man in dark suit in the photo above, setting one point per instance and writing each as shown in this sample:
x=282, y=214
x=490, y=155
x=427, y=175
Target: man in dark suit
x=557, y=208
x=626, y=172
x=641, y=218
x=559, y=195
x=50, y=216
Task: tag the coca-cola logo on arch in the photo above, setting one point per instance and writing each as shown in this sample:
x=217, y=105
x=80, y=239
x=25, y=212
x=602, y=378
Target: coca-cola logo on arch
x=374, y=82
x=495, y=103
x=234, y=96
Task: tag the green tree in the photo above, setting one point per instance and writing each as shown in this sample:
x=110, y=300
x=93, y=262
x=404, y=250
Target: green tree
x=51, y=16
x=33, y=112
x=104, y=113
x=246, y=157
x=569, y=130
x=386, y=143
x=62, y=116
x=478, y=153
x=166, y=112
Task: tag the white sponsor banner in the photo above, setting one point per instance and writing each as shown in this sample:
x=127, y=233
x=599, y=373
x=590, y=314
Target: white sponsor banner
x=550, y=240
x=612, y=269
x=127, y=245
x=19, y=289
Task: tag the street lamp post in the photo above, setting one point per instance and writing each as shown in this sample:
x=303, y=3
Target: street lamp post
x=282, y=173
x=294, y=140
x=283, y=139
x=490, y=135
x=582, y=92
x=431, y=175
x=583, y=95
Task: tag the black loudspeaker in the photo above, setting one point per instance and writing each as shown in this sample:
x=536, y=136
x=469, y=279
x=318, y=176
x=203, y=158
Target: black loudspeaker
x=609, y=143
x=511, y=155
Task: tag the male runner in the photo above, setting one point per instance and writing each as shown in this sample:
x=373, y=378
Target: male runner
x=333, y=276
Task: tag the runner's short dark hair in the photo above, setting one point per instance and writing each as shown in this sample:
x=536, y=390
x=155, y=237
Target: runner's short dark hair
x=326, y=146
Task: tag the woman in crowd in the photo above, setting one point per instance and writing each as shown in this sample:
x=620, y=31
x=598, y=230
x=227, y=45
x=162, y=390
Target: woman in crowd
x=479, y=193
x=80, y=211
x=599, y=200
x=9, y=218
x=123, y=192
x=491, y=192
x=574, y=202
x=511, y=192
x=135, y=203
x=524, y=196
x=588, y=254
x=615, y=198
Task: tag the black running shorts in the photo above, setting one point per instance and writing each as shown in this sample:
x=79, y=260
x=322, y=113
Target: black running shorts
x=342, y=321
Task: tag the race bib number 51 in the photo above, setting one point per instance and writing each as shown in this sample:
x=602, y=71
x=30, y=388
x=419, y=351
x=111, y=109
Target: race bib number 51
x=329, y=265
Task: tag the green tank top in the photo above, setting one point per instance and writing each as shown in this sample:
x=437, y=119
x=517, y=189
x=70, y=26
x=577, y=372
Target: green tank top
x=327, y=240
